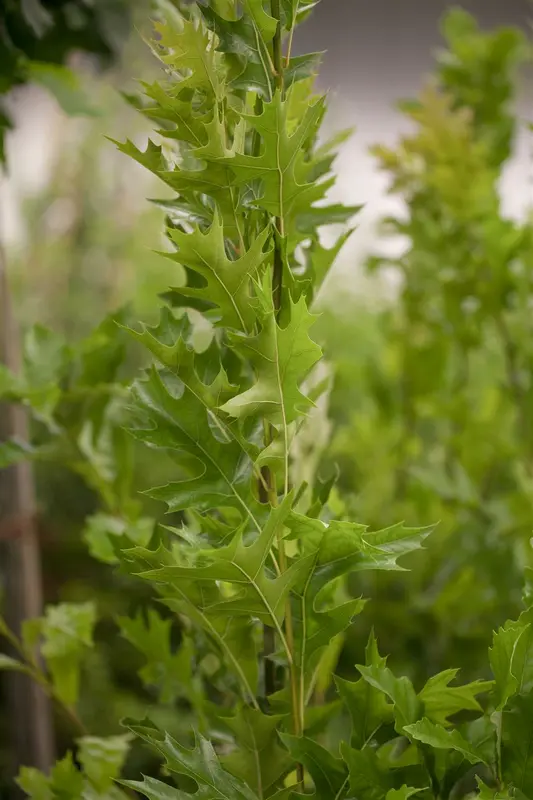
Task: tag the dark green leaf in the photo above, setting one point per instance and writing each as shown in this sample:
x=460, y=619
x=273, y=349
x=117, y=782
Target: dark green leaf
x=368, y=779
x=438, y=737
x=328, y=773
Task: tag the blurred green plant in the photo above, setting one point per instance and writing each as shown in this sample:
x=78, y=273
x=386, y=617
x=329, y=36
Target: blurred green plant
x=88, y=244
x=433, y=395
x=37, y=39
x=256, y=574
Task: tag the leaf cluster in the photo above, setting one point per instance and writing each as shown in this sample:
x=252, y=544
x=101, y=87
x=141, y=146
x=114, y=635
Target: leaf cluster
x=440, y=429
x=256, y=567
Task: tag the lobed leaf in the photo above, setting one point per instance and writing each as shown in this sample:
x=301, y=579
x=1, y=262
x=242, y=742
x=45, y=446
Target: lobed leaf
x=437, y=736
x=201, y=764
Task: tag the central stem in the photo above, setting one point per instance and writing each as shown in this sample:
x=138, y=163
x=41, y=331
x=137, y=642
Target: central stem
x=277, y=60
x=277, y=288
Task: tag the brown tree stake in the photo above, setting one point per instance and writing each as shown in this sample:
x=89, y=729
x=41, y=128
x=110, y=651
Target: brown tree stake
x=30, y=715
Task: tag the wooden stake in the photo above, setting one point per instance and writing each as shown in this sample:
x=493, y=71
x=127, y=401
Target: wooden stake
x=30, y=715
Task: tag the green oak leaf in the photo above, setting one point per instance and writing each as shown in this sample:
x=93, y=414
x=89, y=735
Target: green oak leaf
x=366, y=704
x=201, y=764
x=247, y=39
x=171, y=416
x=67, y=631
x=329, y=773
x=486, y=793
x=403, y=793
x=442, y=700
x=102, y=759
x=101, y=529
x=330, y=552
x=508, y=658
x=295, y=11
x=152, y=158
x=349, y=547
x=318, y=622
x=252, y=77
x=281, y=358
x=400, y=691
x=437, y=736
x=187, y=47
x=244, y=566
x=369, y=780
x=234, y=638
x=154, y=789
x=517, y=744
x=322, y=258
x=182, y=121
x=258, y=760
x=226, y=282
x=281, y=166
x=314, y=217
x=65, y=781
x=205, y=175
x=165, y=669
x=170, y=341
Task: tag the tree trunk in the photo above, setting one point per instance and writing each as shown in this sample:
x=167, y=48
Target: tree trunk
x=30, y=717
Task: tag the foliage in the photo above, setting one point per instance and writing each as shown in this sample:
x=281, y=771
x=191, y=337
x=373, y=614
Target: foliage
x=256, y=567
x=38, y=38
x=93, y=240
x=432, y=394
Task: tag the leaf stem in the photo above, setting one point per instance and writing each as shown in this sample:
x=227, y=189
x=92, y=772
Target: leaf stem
x=276, y=45
x=277, y=288
x=291, y=35
x=342, y=788
x=277, y=280
x=34, y=671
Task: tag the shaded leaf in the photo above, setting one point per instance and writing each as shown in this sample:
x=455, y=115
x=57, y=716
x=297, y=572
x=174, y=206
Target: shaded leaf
x=517, y=744
x=201, y=763
x=165, y=669
x=328, y=773
x=281, y=358
x=12, y=664
x=65, y=781
x=506, y=656
x=171, y=416
x=437, y=736
x=258, y=759
x=102, y=759
x=407, y=706
x=368, y=779
x=403, y=793
x=67, y=634
x=101, y=529
x=366, y=704
x=281, y=166
x=226, y=282
x=442, y=700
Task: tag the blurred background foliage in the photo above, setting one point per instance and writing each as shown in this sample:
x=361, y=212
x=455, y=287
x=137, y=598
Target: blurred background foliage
x=433, y=394
x=430, y=408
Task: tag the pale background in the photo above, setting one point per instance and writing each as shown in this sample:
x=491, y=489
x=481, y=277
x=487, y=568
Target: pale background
x=378, y=51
